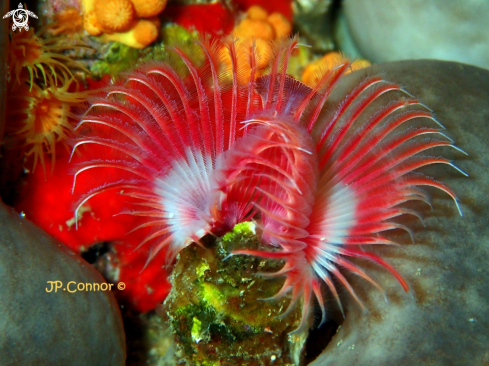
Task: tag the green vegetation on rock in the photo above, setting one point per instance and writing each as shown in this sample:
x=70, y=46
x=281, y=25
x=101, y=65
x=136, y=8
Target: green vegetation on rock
x=120, y=58
x=117, y=59
x=215, y=309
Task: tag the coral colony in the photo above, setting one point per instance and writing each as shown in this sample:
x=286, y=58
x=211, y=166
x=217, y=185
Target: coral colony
x=133, y=23
x=196, y=147
x=40, y=97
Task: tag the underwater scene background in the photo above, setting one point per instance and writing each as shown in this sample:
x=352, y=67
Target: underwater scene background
x=244, y=182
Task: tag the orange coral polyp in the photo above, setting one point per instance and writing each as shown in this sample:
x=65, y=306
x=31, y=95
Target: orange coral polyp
x=257, y=13
x=249, y=28
x=148, y=8
x=259, y=24
x=67, y=21
x=114, y=15
x=315, y=70
x=25, y=50
x=262, y=30
x=48, y=112
x=91, y=24
x=28, y=51
x=39, y=118
x=280, y=24
x=145, y=32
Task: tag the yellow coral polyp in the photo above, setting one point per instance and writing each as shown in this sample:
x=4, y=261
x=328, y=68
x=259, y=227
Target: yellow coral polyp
x=28, y=51
x=39, y=118
x=143, y=34
x=315, y=70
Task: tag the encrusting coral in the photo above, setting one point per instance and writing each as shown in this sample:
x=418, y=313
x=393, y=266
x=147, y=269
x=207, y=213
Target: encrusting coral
x=200, y=153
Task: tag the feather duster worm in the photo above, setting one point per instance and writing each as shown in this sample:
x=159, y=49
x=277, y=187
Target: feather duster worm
x=202, y=152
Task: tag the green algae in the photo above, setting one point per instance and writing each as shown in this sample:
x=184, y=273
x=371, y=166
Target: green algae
x=173, y=34
x=196, y=331
x=214, y=308
x=120, y=58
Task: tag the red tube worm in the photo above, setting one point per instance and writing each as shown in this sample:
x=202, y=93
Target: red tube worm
x=200, y=152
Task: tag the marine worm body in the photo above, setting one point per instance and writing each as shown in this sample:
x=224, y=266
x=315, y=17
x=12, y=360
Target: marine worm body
x=198, y=150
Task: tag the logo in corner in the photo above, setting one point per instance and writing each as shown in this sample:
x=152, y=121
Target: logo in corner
x=20, y=17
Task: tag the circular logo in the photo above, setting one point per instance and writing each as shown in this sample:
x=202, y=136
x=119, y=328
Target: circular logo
x=121, y=286
x=20, y=18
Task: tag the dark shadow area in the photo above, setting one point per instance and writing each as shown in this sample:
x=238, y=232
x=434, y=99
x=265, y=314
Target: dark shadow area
x=95, y=252
x=134, y=327
x=318, y=339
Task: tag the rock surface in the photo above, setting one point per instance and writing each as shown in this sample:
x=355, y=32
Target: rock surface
x=38, y=327
x=444, y=319
x=385, y=30
x=213, y=309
